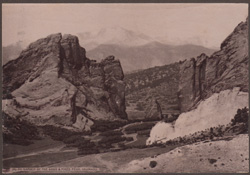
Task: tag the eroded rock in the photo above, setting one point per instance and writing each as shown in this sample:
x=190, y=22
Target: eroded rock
x=56, y=83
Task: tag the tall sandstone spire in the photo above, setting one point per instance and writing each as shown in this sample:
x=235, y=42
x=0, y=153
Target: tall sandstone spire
x=53, y=82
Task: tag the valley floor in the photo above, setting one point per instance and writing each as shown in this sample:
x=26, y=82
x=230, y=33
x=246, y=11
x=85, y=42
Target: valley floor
x=213, y=156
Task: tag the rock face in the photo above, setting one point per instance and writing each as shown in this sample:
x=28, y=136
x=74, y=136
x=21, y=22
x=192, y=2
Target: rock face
x=225, y=69
x=53, y=82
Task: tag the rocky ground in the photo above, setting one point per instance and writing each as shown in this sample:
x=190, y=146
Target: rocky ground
x=210, y=157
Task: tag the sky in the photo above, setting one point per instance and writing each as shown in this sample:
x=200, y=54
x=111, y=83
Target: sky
x=204, y=24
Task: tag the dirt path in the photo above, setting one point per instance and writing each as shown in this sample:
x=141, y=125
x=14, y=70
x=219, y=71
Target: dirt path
x=134, y=135
x=108, y=164
x=50, y=150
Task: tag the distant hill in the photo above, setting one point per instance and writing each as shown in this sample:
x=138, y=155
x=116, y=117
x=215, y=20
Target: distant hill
x=148, y=55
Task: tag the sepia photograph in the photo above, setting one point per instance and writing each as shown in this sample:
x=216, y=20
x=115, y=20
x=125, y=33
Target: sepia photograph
x=125, y=88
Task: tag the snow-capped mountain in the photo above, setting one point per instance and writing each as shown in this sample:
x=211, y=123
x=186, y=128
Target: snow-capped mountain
x=114, y=35
x=134, y=49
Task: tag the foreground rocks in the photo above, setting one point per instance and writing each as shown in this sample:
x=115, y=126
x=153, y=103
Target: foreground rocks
x=53, y=82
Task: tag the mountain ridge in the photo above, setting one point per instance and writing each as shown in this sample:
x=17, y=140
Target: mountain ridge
x=148, y=55
x=118, y=37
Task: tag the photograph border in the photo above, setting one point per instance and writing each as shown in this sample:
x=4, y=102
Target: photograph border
x=122, y=1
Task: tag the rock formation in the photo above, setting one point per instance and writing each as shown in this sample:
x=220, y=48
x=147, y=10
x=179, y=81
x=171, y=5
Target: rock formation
x=225, y=69
x=53, y=82
x=211, y=89
x=181, y=86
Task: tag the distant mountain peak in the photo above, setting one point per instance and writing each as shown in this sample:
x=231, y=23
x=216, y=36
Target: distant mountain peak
x=113, y=35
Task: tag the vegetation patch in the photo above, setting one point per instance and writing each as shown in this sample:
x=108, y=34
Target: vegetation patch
x=19, y=131
x=61, y=134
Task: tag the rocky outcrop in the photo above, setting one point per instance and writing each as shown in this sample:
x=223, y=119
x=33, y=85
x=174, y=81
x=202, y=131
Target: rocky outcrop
x=225, y=69
x=53, y=82
x=191, y=83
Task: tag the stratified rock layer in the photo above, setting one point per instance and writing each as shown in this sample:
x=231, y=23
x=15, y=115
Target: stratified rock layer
x=53, y=82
